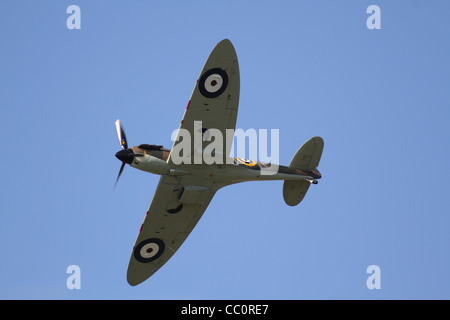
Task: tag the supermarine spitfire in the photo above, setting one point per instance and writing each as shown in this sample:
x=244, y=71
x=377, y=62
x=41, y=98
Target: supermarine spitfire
x=185, y=189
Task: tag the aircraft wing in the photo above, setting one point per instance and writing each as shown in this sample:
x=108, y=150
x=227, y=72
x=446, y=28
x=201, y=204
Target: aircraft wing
x=177, y=206
x=214, y=101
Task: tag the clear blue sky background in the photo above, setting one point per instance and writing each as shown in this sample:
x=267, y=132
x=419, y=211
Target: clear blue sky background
x=379, y=98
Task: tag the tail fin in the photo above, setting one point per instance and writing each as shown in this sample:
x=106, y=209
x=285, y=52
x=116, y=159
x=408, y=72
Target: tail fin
x=306, y=158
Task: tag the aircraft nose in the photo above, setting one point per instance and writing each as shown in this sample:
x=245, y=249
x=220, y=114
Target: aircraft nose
x=126, y=155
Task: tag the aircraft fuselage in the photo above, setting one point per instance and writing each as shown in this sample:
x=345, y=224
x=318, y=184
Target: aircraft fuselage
x=153, y=159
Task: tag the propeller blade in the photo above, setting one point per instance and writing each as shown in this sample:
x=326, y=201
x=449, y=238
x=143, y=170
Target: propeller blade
x=121, y=135
x=120, y=172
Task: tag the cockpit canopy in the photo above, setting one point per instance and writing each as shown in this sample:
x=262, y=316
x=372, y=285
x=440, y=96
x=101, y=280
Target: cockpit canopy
x=150, y=147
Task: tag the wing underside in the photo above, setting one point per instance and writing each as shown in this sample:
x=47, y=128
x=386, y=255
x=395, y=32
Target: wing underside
x=177, y=206
x=214, y=101
x=179, y=201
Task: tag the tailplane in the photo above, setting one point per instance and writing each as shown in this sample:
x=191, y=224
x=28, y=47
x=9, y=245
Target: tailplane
x=306, y=159
x=308, y=156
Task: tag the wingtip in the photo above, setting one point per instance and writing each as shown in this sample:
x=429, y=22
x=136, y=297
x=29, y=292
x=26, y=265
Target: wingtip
x=226, y=42
x=225, y=47
x=133, y=281
x=137, y=276
x=133, y=284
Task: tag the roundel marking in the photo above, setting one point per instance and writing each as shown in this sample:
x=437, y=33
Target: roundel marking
x=250, y=163
x=149, y=250
x=213, y=83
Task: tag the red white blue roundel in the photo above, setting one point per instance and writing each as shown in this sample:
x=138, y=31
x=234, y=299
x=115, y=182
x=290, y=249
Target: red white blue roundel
x=149, y=250
x=213, y=83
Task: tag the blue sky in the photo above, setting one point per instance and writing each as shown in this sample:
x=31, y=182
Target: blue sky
x=379, y=98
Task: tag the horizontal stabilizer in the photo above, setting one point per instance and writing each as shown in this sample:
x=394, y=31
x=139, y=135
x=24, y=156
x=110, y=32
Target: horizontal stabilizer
x=308, y=156
x=294, y=191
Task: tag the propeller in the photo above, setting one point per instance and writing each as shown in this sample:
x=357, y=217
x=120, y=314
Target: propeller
x=121, y=135
x=120, y=172
x=125, y=155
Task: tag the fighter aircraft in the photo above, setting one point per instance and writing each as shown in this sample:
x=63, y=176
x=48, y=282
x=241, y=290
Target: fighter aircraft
x=185, y=189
